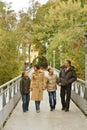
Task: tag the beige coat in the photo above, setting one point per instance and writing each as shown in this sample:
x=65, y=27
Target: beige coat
x=37, y=85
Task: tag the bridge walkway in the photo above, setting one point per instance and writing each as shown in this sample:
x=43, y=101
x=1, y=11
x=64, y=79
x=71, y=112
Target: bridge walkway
x=46, y=120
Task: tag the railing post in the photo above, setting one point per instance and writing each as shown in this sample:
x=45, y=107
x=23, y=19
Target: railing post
x=4, y=100
x=79, y=91
x=9, y=93
x=85, y=94
x=85, y=34
x=14, y=88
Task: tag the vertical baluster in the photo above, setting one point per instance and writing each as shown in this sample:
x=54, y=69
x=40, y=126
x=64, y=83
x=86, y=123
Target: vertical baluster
x=9, y=93
x=4, y=99
x=82, y=91
x=85, y=94
x=13, y=88
x=79, y=89
x=0, y=102
x=76, y=88
x=73, y=86
x=17, y=85
x=12, y=93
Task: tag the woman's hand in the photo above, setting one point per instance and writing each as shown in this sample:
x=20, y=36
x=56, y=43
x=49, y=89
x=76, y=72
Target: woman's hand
x=43, y=88
x=59, y=84
x=31, y=89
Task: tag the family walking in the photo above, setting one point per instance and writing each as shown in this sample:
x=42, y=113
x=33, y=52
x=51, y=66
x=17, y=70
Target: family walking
x=39, y=82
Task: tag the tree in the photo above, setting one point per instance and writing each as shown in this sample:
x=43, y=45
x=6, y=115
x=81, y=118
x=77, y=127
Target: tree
x=41, y=61
x=33, y=7
x=59, y=21
x=9, y=57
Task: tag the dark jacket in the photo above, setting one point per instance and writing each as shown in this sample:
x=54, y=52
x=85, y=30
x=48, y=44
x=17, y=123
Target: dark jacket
x=25, y=85
x=67, y=77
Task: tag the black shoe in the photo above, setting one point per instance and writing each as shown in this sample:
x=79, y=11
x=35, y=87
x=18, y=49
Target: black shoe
x=24, y=110
x=63, y=108
x=27, y=109
x=38, y=111
x=66, y=110
x=54, y=108
x=51, y=109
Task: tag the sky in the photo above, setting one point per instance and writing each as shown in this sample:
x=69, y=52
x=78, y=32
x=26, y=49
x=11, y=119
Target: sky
x=21, y=4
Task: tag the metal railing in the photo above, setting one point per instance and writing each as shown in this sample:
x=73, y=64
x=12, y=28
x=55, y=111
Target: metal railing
x=9, y=96
x=8, y=90
x=79, y=94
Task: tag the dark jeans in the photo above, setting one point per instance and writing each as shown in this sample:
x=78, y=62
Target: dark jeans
x=25, y=99
x=37, y=105
x=52, y=99
x=65, y=94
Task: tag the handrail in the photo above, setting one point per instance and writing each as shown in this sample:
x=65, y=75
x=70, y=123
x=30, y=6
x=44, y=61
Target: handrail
x=5, y=84
x=81, y=81
x=9, y=82
x=9, y=97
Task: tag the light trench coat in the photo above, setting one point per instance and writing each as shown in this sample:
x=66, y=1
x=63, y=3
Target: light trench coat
x=37, y=85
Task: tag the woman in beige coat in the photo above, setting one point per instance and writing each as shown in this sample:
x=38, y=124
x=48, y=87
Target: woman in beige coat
x=37, y=86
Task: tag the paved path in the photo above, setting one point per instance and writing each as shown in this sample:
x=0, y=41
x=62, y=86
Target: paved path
x=47, y=120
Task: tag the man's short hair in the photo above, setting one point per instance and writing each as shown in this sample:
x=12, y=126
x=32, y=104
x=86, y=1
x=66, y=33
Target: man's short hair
x=69, y=62
x=49, y=69
x=37, y=66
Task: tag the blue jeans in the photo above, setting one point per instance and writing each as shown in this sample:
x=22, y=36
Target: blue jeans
x=25, y=99
x=37, y=105
x=52, y=99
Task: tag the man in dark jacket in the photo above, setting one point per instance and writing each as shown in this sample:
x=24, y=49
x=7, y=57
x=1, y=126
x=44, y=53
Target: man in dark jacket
x=25, y=90
x=67, y=76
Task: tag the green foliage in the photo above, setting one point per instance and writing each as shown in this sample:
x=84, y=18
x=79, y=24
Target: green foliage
x=60, y=22
x=10, y=59
x=15, y=34
x=9, y=63
x=42, y=50
x=41, y=61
